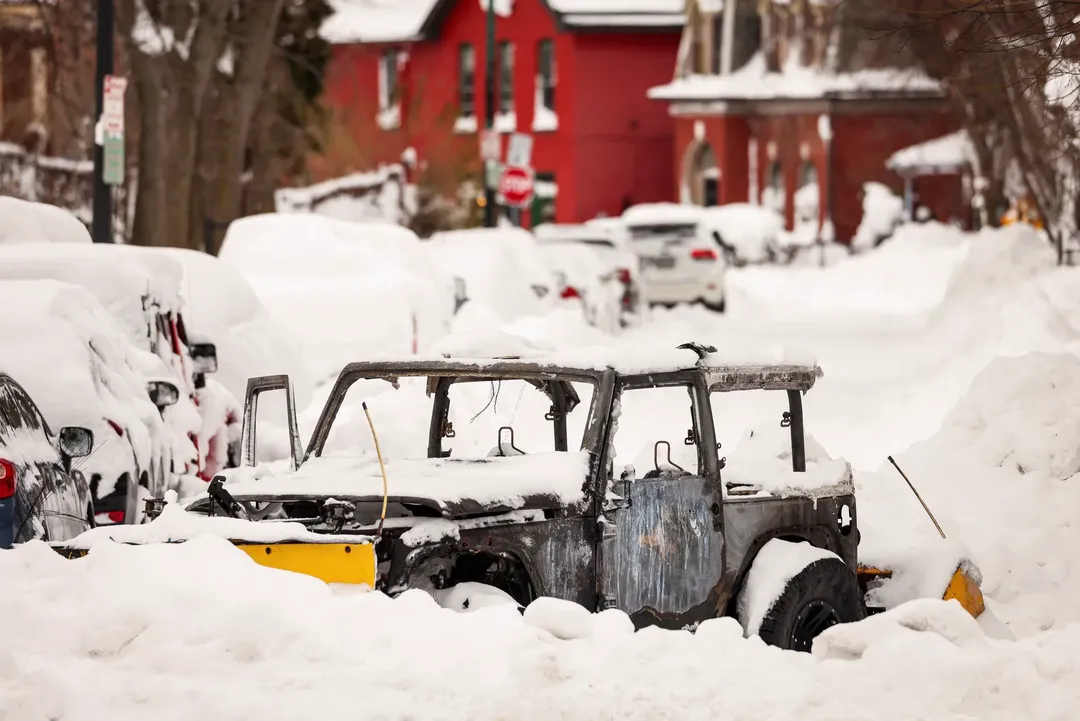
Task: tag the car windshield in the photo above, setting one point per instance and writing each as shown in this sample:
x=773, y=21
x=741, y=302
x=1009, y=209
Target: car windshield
x=484, y=418
x=663, y=231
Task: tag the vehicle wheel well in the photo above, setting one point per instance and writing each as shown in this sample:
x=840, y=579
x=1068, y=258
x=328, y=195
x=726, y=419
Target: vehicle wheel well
x=504, y=571
x=786, y=535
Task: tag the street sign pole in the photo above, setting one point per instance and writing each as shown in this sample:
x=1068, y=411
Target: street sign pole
x=489, y=112
x=102, y=222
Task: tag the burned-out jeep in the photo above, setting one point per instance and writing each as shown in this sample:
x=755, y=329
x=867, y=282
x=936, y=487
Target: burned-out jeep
x=556, y=476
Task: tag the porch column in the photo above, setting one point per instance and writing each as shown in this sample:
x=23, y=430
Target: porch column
x=909, y=197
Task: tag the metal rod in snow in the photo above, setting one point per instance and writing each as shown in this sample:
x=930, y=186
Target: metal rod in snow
x=912, y=487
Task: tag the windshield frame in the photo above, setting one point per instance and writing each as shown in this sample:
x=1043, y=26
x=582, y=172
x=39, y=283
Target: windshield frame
x=437, y=374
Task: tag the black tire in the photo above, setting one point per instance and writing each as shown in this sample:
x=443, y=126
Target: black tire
x=823, y=594
x=716, y=307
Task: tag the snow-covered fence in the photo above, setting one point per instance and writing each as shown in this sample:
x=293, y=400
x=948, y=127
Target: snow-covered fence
x=58, y=181
x=377, y=195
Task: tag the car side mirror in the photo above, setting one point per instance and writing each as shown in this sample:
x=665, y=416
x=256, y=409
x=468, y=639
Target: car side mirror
x=204, y=357
x=76, y=442
x=163, y=393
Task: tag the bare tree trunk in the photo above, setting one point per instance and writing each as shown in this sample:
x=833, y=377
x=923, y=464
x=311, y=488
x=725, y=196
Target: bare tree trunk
x=226, y=120
x=176, y=49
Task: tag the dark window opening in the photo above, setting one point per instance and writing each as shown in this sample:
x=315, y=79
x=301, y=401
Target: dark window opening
x=467, y=80
x=546, y=62
x=506, y=76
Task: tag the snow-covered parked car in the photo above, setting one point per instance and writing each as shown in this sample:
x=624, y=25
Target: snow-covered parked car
x=24, y=221
x=502, y=269
x=223, y=308
x=619, y=272
x=41, y=494
x=680, y=260
x=747, y=234
x=342, y=288
x=143, y=297
x=81, y=370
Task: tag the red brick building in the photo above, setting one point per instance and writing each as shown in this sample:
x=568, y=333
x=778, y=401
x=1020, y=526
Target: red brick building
x=573, y=73
x=777, y=103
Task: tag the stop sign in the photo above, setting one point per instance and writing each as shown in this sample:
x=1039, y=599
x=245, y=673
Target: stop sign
x=516, y=186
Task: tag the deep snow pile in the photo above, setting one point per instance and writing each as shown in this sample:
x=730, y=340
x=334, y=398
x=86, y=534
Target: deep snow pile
x=1002, y=478
x=908, y=274
x=203, y=631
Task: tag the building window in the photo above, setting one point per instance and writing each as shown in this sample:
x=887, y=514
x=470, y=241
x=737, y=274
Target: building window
x=544, y=117
x=506, y=77
x=467, y=80
x=807, y=174
x=389, y=90
x=388, y=79
x=546, y=62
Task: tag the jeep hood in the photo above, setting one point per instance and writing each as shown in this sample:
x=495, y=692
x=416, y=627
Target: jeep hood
x=456, y=487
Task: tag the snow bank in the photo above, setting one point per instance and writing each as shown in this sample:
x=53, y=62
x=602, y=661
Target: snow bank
x=210, y=632
x=223, y=307
x=502, y=268
x=23, y=221
x=1002, y=478
x=346, y=290
x=883, y=211
x=908, y=275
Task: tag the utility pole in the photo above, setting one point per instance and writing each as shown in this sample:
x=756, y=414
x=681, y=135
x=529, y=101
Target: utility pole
x=489, y=117
x=102, y=224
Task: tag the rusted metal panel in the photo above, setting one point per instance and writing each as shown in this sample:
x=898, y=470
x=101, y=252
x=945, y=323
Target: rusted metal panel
x=663, y=554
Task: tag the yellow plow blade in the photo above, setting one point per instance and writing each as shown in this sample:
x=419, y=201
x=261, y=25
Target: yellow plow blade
x=966, y=590
x=329, y=562
x=962, y=586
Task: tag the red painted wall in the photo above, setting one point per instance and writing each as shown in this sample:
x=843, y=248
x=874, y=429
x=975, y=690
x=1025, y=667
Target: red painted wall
x=611, y=142
x=621, y=145
x=862, y=145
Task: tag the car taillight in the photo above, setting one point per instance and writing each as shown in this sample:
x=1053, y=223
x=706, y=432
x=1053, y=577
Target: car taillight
x=117, y=516
x=570, y=292
x=7, y=479
x=703, y=254
x=624, y=275
x=116, y=427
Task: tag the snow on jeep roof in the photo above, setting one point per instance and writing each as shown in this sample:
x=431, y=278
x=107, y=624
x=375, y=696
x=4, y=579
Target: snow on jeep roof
x=771, y=367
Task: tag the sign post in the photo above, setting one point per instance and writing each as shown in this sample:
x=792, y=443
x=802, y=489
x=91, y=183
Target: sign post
x=102, y=222
x=112, y=130
x=516, y=186
x=517, y=183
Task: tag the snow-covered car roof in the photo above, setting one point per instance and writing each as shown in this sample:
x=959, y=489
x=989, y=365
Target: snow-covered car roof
x=661, y=214
x=23, y=221
x=572, y=233
x=118, y=276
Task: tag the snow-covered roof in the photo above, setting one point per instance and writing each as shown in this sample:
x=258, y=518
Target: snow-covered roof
x=948, y=154
x=753, y=82
x=388, y=21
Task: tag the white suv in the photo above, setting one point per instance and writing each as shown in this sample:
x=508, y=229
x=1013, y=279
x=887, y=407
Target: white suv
x=680, y=262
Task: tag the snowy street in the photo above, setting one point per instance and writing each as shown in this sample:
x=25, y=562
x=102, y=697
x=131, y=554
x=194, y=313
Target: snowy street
x=952, y=352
